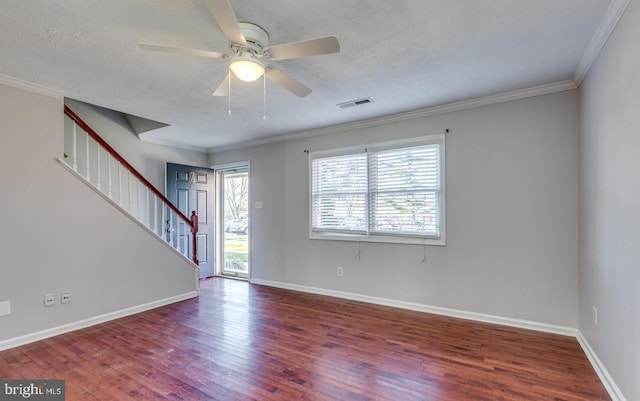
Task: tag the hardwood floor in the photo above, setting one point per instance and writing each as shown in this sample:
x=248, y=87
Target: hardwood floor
x=247, y=342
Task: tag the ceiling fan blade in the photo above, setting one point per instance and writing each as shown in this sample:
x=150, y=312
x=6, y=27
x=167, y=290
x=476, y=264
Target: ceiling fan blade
x=287, y=81
x=304, y=48
x=227, y=21
x=223, y=88
x=181, y=50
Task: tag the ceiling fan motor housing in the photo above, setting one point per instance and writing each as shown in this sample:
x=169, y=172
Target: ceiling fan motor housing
x=256, y=37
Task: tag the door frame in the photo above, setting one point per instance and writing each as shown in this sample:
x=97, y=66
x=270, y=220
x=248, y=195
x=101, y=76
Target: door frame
x=218, y=248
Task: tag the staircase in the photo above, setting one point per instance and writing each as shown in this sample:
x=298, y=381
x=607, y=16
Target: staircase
x=98, y=165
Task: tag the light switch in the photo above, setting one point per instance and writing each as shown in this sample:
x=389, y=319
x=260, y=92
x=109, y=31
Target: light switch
x=258, y=204
x=5, y=308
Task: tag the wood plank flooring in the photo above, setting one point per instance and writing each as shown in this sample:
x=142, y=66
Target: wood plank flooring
x=246, y=342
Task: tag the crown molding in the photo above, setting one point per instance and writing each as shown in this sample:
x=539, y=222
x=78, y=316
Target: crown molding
x=607, y=25
x=30, y=86
x=426, y=112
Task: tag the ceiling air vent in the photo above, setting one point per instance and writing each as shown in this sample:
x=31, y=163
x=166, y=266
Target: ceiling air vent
x=358, y=102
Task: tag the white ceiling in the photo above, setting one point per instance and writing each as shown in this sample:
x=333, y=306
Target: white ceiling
x=403, y=54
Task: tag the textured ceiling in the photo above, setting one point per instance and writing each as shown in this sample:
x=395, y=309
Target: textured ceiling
x=403, y=54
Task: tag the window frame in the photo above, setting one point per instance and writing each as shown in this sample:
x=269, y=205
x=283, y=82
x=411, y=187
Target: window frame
x=438, y=139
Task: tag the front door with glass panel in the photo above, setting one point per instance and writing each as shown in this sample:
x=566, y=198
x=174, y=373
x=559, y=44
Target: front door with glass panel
x=233, y=210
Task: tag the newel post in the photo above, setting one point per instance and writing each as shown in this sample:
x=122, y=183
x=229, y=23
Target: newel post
x=194, y=235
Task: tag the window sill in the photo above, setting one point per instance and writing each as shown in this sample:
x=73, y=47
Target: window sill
x=380, y=239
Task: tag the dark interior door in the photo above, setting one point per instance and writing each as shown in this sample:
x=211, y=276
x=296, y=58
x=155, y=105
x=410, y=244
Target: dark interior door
x=191, y=188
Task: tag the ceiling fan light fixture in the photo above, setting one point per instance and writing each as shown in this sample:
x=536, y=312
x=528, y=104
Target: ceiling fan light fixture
x=247, y=69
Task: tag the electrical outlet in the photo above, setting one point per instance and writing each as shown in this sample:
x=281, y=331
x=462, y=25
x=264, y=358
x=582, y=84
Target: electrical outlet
x=595, y=316
x=340, y=271
x=65, y=297
x=49, y=300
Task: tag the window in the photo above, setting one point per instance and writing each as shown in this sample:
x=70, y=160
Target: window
x=386, y=192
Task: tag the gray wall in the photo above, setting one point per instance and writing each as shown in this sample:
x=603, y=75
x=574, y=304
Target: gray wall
x=512, y=215
x=610, y=204
x=59, y=235
x=268, y=184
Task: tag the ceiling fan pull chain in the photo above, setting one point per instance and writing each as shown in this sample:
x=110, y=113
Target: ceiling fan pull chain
x=229, y=96
x=264, y=97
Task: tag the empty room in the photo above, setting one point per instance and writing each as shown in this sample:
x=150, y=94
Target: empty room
x=320, y=200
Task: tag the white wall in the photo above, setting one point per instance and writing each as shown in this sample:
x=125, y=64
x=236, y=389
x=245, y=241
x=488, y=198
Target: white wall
x=512, y=215
x=59, y=235
x=610, y=204
x=148, y=158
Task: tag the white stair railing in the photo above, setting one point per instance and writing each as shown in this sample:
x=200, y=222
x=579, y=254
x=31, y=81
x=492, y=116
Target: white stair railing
x=96, y=162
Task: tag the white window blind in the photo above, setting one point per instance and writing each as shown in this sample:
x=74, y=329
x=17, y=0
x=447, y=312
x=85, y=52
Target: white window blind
x=390, y=192
x=339, y=193
x=405, y=191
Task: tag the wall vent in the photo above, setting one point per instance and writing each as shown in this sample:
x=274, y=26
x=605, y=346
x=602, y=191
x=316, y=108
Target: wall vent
x=357, y=102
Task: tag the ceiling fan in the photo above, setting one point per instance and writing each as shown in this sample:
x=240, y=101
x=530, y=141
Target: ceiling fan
x=250, y=51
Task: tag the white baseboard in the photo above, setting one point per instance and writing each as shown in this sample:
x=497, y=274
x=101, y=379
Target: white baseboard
x=612, y=388
x=601, y=371
x=41, y=335
x=614, y=392
x=480, y=317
